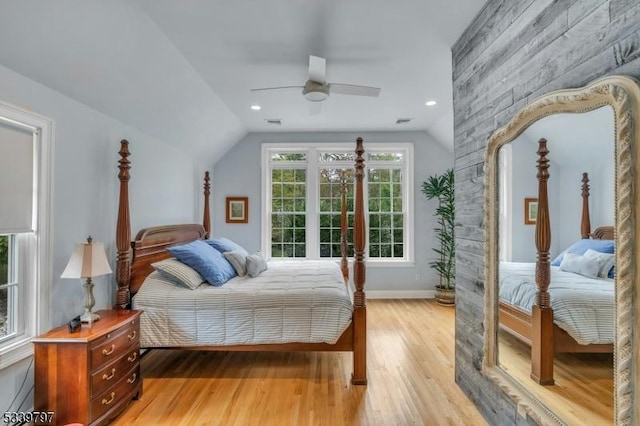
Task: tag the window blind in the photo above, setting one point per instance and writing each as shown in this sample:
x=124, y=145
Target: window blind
x=16, y=179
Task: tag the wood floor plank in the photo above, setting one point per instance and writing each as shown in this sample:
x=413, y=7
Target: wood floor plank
x=410, y=366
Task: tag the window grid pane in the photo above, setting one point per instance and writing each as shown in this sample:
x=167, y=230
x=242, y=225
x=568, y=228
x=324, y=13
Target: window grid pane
x=288, y=212
x=386, y=214
x=8, y=287
x=331, y=211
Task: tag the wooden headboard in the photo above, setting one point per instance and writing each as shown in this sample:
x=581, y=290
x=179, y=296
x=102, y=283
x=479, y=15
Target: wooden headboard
x=151, y=246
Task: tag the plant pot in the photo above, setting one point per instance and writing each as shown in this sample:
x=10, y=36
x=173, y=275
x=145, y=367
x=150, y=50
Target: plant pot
x=445, y=297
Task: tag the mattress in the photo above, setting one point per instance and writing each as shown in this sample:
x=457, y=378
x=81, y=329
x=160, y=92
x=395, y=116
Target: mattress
x=294, y=301
x=583, y=307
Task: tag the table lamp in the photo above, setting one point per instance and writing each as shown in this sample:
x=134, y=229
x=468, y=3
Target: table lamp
x=88, y=260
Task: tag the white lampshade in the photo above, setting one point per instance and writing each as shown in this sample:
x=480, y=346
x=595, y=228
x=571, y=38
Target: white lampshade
x=87, y=260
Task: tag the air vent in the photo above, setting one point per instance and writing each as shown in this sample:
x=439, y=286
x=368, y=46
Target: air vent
x=403, y=120
x=276, y=121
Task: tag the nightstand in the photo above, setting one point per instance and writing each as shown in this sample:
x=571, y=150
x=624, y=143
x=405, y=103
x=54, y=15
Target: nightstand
x=91, y=375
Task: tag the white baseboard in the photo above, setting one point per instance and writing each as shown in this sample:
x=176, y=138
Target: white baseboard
x=400, y=294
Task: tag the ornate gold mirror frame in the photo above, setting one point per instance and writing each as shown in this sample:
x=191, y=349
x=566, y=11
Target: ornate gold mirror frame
x=623, y=95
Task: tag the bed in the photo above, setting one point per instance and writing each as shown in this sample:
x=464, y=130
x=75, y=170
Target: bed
x=292, y=306
x=550, y=309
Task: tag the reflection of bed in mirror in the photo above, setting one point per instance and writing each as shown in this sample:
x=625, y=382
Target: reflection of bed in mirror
x=583, y=306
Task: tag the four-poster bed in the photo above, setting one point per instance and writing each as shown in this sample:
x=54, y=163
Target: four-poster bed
x=537, y=325
x=135, y=259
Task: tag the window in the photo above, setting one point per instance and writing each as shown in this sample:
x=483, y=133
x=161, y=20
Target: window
x=25, y=176
x=302, y=201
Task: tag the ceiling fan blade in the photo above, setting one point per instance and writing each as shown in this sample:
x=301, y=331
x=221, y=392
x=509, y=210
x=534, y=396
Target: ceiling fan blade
x=353, y=89
x=315, y=108
x=276, y=88
x=317, y=69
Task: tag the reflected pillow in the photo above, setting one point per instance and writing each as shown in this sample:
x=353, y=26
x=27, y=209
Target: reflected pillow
x=209, y=262
x=178, y=272
x=602, y=246
x=256, y=264
x=578, y=264
x=223, y=244
x=238, y=260
x=605, y=262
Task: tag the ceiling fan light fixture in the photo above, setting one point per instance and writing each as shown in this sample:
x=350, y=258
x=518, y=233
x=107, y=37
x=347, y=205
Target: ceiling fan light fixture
x=315, y=92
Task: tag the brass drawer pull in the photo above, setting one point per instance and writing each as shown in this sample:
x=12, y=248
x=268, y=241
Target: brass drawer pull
x=132, y=336
x=106, y=376
x=110, y=351
x=132, y=379
x=133, y=357
x=107, y=402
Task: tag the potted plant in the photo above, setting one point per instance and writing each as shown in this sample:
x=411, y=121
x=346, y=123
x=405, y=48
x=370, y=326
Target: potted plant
x=441, y=188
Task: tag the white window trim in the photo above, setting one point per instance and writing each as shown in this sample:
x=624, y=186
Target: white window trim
x=506, y=204
x=312, y=193
x=34, y=298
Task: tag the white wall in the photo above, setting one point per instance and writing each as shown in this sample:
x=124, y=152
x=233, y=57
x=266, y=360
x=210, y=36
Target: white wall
x=238, y=173
x=164, y=188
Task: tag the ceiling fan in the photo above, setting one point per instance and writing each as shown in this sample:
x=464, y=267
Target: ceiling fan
x=316, y=89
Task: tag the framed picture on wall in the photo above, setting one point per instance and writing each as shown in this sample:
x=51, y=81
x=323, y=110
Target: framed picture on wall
x=237, y=210
x=530, y=211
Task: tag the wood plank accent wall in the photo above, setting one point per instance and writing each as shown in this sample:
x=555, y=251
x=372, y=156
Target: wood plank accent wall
x=513, y=52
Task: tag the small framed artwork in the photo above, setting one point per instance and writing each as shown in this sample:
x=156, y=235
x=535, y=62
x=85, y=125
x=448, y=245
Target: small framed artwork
x=237, y=210
x=530, y=211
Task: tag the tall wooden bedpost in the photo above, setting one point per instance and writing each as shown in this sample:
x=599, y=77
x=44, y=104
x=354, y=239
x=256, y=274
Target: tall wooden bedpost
x=585, y=223
x=123, y=231
x=359, y=376
x=542, y=314
x=344, y=247
x=206, y=221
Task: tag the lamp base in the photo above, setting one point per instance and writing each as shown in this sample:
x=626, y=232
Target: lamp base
x=89, y=317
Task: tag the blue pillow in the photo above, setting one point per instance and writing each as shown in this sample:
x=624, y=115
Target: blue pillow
x=581, y=247
x=206, y=260
x=224, y=245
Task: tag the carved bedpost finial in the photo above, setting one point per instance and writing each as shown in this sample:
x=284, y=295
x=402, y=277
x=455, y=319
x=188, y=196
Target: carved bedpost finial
x=543, y=230
x=206, y=221
x=359, y=228
x=585, y=223
x=123, y=230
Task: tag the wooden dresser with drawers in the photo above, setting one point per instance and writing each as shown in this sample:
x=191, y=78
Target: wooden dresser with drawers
x=89, y=376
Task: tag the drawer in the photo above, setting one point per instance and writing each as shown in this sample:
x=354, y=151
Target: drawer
x=113, y=345
x=102, y=379
x=109, y=399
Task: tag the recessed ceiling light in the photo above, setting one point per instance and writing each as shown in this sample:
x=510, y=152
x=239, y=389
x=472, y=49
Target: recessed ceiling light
x=256, y=107
x=430, y=103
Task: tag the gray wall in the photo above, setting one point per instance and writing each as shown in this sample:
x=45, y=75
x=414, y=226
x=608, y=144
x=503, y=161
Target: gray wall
x=238, y=173
x=512, y=53
x=164, y=188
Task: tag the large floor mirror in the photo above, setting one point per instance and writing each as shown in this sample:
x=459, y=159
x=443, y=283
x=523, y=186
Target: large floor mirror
x=560, y=299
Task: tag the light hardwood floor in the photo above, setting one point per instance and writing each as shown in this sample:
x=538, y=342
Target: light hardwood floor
x=410, y=372
x=583, y=389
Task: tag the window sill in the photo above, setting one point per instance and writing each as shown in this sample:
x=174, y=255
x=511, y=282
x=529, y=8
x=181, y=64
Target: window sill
x=369, y=262
x=16, y=351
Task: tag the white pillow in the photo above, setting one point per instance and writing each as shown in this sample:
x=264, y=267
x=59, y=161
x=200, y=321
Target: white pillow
x=179, y=272
x=605, y=261
x=582, y=265
x=238, y=260
x=256, y=264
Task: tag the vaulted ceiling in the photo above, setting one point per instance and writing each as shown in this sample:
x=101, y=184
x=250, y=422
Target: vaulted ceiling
x=183, y=70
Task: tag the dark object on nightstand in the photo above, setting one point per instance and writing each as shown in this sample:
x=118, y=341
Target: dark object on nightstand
x=74, y=324
x=91, y=375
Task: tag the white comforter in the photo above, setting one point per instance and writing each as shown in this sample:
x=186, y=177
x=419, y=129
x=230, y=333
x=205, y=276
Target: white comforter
x=583, y=307
x=297, y=301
